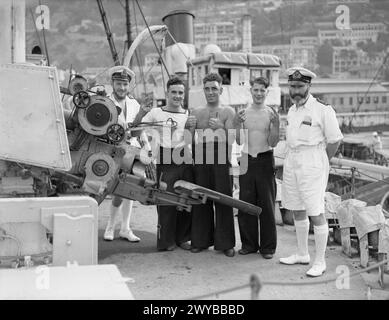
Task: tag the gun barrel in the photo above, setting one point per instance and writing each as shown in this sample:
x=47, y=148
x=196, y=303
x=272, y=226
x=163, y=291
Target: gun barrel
x=184, y=186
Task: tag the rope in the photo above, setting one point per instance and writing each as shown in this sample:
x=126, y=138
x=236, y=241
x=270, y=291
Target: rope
x=368, y=89
x=70, y=78
x=294, y=283
x=105, y=70
x=44, y=35
x=345, y=180
x=36, y=29
x=163, y=83
x=139, y=48
x=142, y=76
x=147, y=73
x=123, y=6
x=18, y=243
x=376, y=179
x=152, y=37
x=178, y=45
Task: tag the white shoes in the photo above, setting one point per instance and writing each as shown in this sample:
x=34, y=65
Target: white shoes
x=317, y=269
x=109, y=233
x=129, y=235
x=296, y=259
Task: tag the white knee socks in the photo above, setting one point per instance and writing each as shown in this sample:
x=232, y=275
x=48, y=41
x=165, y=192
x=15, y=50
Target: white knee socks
x=302, y=230
x=126, y=214
x=114, y=212
x=321, y=237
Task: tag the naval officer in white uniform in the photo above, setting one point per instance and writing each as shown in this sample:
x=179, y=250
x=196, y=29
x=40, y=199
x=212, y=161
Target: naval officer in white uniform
x=123, y=82
x=312, y=138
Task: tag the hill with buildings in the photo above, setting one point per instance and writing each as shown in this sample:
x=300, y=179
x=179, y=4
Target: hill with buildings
x=300, y=31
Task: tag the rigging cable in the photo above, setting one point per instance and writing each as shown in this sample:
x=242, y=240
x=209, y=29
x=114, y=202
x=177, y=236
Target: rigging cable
x=44, y=35
x=323, y=280
x=140, y=52
x=70, y=78
x=152, y=37
x=376, y=179
x=146, y=74
x=368, y=89
x=178, y=45
x=36, y=29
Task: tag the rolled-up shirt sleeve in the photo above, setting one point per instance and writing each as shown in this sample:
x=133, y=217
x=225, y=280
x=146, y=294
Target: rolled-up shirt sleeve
x=149, y=117
x=331, y=128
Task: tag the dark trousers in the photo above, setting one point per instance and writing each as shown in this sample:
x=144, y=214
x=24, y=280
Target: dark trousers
x=174, y=227
x=211, y=227
x=258, y=187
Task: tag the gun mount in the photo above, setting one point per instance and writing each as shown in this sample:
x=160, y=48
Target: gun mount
x=103, y=158
x=81, y=149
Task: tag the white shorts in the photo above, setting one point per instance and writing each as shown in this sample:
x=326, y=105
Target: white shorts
x=305, y=177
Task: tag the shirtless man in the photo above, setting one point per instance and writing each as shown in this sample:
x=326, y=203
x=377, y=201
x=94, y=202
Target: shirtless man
x=212, y=170
x=257, y=184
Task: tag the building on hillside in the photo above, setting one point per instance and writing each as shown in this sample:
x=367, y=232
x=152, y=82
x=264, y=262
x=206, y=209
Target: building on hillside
x=345, y=58
x=296, y=2
x=291, y=54
x=345, y=95
x=223, y=34
x=338, y=2
x=358, y=32
x=356, y=62
x=304, y=41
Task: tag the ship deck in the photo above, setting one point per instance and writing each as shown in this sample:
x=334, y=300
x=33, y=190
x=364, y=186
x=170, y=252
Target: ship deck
x=180, y=274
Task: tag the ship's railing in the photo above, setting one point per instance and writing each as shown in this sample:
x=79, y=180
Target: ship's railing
x=255, y=283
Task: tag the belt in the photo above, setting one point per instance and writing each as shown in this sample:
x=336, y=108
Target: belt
x=320, y=146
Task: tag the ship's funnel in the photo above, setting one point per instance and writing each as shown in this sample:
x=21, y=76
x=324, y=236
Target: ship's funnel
x=12, y=35
x=246, y=34
x=180, y=25
x=179, y=41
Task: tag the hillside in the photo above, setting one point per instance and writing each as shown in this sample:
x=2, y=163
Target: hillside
x=77, y=37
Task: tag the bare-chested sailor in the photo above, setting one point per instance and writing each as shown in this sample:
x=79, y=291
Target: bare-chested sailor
x=257, y=185
x=212, y=170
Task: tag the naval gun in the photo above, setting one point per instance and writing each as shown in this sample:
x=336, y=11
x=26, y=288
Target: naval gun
x=103, y=159
x=103, y=154
x=54, y=161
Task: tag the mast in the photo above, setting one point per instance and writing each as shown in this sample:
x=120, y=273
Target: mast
x=128, y=24
x=108, y=32
x=12, y=35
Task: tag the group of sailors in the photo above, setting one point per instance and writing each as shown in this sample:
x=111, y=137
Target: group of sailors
x=207, y=132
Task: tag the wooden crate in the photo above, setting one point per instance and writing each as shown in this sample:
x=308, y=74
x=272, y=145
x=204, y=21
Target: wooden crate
x=347, y=234
x=382, y=269
x=346, y=238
